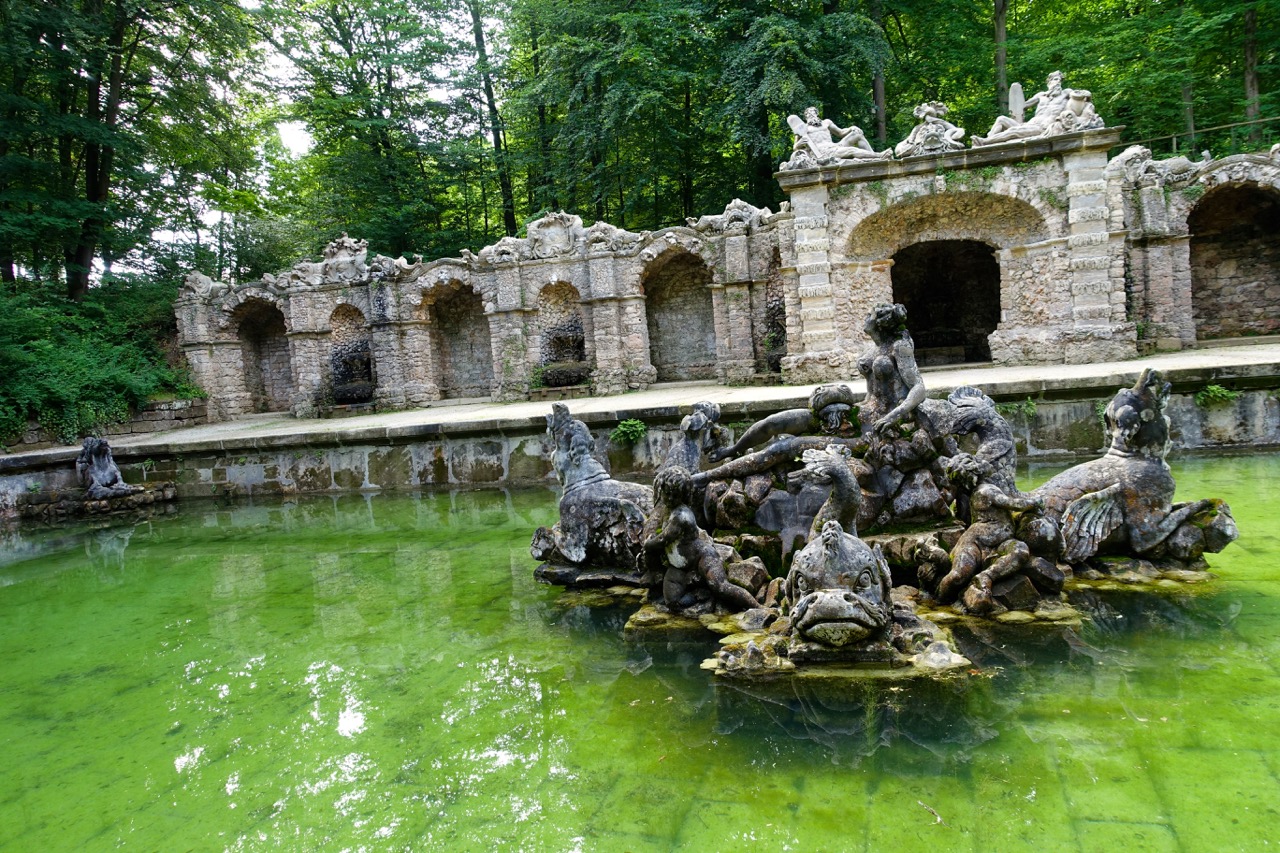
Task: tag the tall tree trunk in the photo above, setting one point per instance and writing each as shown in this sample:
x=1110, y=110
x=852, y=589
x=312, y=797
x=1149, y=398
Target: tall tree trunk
x=1251, y=104
x=495, y=123
x=99, y=156
x=686, y=159
x=877, y=82
x=599, y=190
x=1002, y=78
x=546, y=193
x=762, y=184
x=1189, y=114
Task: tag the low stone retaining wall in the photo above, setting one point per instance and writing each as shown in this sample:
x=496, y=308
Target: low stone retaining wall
x=153, y=417
x=1062, y=422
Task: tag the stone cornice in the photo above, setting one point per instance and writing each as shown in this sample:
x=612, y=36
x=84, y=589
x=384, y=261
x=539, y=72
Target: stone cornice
x=1017, y=151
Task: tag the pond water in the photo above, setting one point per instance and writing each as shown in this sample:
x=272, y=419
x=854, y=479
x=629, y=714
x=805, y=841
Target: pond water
x=383, y=673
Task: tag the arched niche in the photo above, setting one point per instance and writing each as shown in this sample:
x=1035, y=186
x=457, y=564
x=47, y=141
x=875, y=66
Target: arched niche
x=682, y=337
x=562, y=334
x=997, y=220
x=350, y=356
x=951, y=290
x=464, y=352
x=264, y=349
x=1235, y=262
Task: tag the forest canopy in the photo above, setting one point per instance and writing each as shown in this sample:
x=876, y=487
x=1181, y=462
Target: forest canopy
x=141, y=138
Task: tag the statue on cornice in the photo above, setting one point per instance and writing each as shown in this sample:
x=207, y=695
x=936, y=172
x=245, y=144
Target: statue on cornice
x=554, y=234
x=1058, y=110
x=344, y=260
x=933, y=135
x=815, y=145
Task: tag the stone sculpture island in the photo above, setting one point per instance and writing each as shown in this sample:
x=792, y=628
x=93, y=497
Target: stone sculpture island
x=846, y=532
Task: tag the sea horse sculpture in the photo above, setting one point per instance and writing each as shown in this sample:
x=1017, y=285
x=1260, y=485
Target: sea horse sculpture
x=1123, y=502
x=600, y=518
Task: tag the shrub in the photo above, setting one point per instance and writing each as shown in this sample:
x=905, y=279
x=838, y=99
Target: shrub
x=629, y=431
x=1211, y=396
x=76, y=367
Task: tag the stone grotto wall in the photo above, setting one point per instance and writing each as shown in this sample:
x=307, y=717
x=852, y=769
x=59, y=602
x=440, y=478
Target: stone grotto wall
x=264, y=350
x=466, y=356
x=350, y=356
x=1202, y=244
x=561, y=337
x=1089, y=254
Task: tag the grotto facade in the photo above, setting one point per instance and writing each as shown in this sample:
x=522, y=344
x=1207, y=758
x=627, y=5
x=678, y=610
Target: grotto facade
x=1042, y=249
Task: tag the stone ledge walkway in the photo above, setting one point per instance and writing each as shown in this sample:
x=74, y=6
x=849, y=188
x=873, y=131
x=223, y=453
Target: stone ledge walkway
x=1243, y=361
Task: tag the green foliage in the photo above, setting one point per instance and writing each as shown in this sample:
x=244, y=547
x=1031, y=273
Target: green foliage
x=537, y=376
x=113, y=113
x=78, y=367
x=1213, y=396
x=1023, y=410
x=1052, y=197
x=639, y=113
x=629, y=431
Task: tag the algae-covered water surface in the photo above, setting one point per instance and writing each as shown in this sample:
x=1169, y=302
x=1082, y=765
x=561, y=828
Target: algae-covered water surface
x=383, y=673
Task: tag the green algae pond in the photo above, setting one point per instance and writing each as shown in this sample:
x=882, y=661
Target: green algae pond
x=383, y=673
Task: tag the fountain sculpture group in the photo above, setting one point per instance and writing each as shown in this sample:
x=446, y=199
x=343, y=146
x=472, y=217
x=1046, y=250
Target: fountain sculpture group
x=931, y=479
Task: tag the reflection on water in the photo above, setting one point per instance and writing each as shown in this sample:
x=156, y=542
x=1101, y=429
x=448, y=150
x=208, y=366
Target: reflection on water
x=382, y=672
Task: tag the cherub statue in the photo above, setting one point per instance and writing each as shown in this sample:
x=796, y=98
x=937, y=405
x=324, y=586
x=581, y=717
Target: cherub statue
x=673, y=539
x=828, y=412
x=987, y=549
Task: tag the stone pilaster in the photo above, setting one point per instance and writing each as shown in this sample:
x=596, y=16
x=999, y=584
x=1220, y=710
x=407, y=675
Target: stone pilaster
x=309, y=358
x=218, y=367
x=386, y=350
x=1095, y=257
x=511, y=371
x=419, y=357
x=633, y=326
x=813, y=269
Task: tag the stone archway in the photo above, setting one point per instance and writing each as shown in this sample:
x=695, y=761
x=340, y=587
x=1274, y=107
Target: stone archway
x=1235, y=262
x=681, y=319
x=264, y=351
x=464, y=352
x=350, y=357
x=951, y=289
x=562, y=351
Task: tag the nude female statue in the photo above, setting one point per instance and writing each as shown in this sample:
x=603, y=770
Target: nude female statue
x=894, y=386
